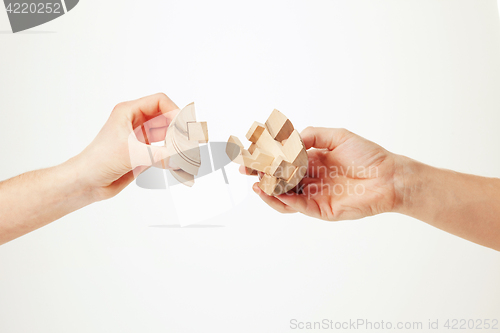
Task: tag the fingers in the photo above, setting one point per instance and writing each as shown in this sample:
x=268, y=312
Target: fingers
x=321, y=137
x=302, y=203
x=272, y=201
x=157, y=134
x=148, y=135
x=155, y=105
x=146, y=108
x=148, y=118
x=295, y=201
x=142, y=154
x=158, y=121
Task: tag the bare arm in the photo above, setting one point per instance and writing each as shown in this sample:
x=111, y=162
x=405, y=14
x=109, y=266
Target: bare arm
x=350, y=177
x=33, y=199
x=116, y=156
x=465, y=205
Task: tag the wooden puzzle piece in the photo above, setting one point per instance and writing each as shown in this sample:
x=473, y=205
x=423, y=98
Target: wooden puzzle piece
x=259, y=160
x=182, y=142
x=279, y=126
x=234, y=149
x=272, y=186
x=277, y=150
x=197, y=131
x=177, y=141
x=294, y=149
x=183, y=177
x=281, y=168
x=252, y=147
x=267, y=143
x=268, y=184
x=255, y=132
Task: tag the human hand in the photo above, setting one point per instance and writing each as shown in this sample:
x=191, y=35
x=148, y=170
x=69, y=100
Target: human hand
x=348, y=178
x=120, y=151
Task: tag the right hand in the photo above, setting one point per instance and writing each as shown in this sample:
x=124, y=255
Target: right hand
x=348, y=178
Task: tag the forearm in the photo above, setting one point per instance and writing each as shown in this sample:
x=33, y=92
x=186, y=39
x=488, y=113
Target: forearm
x=465, y=205
x=34, y=199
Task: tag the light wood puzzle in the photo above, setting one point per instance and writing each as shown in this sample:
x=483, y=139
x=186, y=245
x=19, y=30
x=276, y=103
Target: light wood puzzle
x=182, y=141
x=198, y=131
x=277, y=150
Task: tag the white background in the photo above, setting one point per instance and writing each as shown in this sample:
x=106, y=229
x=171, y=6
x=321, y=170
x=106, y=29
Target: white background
x=421, y=78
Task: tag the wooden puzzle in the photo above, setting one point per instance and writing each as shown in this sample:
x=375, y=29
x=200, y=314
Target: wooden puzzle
x=182, y=140
x=276, y=150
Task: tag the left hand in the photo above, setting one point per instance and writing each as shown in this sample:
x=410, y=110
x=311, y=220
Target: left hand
x=120, y=152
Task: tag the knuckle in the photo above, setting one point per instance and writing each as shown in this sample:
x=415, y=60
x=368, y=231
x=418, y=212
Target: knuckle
x=308, y=129
x=161, y=95
x=120, y=106
x=344, y=130
x=344, y=133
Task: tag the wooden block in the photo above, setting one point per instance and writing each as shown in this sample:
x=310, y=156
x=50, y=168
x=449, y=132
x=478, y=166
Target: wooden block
x=189, y=150
x=198, y=131
x=187, y=114
x=234, y=147
x=255, y=131
x=183, y=177
x=252, y=147
x=281, y=168
x=259, y=160
x=279, y=126
x=271, y=185
x=250, y=172
x=181, y=163
x=268, y=184
x=277, y=150
x=244, y=159
x=182, y=152
x=294, y=150
x=268, y=144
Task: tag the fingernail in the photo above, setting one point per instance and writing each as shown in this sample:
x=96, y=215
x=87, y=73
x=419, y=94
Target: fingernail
x=256, y=188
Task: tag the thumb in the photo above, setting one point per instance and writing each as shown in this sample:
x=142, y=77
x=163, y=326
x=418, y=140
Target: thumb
x=321, y=137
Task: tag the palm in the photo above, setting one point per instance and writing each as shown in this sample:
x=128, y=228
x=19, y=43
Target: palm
x=348, y=178
x=352, y=181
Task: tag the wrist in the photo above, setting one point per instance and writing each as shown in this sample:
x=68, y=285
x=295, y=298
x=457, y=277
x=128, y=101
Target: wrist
x=78, y=186
x=408, y=180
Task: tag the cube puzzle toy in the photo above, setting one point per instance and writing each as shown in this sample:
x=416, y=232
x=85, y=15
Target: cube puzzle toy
x=276, y=150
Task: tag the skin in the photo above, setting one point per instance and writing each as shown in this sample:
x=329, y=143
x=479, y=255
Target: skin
x=112, y=161
x=465, y=205
x=348, y=178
